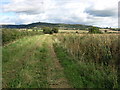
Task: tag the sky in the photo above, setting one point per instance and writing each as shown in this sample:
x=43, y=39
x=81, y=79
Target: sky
x=102, y=13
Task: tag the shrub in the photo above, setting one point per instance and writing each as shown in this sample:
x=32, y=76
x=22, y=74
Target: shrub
x=94, y=30
x=77, y=32
x=55, y=30
x=47, y=30
x=9, y=35
x=105, y=31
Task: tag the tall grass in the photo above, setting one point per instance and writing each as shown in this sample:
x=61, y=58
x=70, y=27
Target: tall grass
x=96, y=57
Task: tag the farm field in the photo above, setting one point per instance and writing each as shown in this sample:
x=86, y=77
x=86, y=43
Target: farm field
x=91, y=60
x=60, y=44
x=73, y=31
x=85, y=31
x=62, y=61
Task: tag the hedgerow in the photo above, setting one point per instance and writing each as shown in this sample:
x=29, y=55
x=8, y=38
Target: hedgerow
x=9, y=35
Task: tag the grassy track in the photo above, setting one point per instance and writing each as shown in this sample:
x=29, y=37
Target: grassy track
x=32, y=63
x=56, y=77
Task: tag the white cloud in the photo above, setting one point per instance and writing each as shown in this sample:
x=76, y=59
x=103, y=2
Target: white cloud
x=92, y=12
x=7, y=20
x=24, y=6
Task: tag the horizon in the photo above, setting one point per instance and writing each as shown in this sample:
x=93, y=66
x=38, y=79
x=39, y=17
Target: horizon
x=95, y=13
x=56, y=23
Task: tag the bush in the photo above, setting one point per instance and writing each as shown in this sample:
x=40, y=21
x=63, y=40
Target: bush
x=94, y=30
x=47, y=30
x=55, y=30
x=9, y=35
x=77, y=32
x=105, y=31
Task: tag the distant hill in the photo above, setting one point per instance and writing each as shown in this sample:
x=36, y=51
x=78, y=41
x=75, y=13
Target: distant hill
x=43, y=24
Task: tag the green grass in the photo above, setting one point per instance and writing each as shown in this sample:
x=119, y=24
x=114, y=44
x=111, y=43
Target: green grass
x=84, y=74
x=25, y=64
x=30, y=62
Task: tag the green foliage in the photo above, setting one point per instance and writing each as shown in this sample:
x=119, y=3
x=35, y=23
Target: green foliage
x=55, y=30
x=94, y=30
x=47, y=30
x=9, y=35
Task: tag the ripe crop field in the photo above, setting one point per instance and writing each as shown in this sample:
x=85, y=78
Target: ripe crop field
x=62, y=61
x=73, y=31
x=89, y=60
x=85, y=31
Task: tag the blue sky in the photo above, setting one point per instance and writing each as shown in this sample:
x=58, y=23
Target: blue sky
x=101, y=13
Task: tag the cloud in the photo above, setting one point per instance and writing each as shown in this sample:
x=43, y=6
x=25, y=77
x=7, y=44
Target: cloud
x=102, y=13
x=7, y=20
x=91, y=12
x=24, y=6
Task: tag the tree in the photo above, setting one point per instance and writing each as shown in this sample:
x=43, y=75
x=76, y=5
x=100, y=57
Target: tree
x=47, y=30
x=55, y=30
x=77, y=32
x=105, y=31
x=94, y=30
